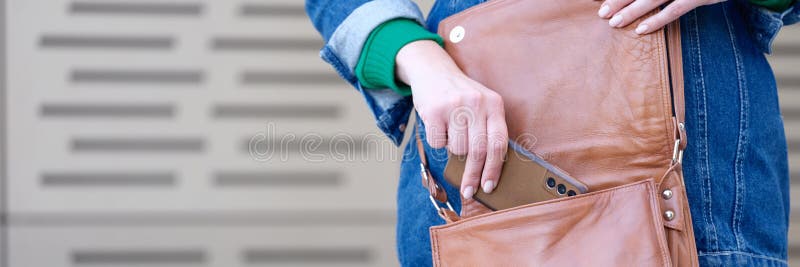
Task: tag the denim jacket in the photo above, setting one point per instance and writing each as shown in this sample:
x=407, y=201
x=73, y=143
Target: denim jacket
x=735, y=164
x=346, y=25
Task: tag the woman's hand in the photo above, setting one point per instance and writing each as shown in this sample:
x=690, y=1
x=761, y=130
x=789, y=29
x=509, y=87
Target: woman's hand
x=623, y=12
x=458, y=112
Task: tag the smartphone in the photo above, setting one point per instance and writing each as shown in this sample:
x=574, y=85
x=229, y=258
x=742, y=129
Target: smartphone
x=525, y=178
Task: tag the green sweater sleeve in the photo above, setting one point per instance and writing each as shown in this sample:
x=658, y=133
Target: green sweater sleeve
x=376, y=66
x=774, y=5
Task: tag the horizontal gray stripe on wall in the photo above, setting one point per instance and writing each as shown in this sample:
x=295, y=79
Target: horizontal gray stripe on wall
x=312, y=144
x=138, y=256
x=278, y=179
x=257, y=111
x=788, y=81
x=93, y=110
x=305, y=217
x=795, y=213
x=790, y=113
x=273, y=10
x=273, y=77
x=136, y=8
x=120, y=144
x=137, y=76
x=794, y=177
x=785, y=50
x=308, y=255
x=793, y=145
x=108, y=179
x=264, y=44
x=105, y=42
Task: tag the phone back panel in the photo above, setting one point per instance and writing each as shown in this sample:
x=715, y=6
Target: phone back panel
x=523, y=180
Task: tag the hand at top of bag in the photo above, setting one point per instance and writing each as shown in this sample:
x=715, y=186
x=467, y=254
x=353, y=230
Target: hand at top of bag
x=457, y=111
x=624, y=12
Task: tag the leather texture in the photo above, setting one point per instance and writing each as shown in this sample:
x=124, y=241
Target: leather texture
x=572, y=231
x=598, y=103
x=586, y=97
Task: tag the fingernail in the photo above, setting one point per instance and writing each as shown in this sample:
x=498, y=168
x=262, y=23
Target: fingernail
x=615, y=20
x=468, y=192
x=641, y=29
x=603, y=12
x=488, y=186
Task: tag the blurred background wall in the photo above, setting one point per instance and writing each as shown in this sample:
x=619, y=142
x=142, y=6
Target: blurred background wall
x=785, y=62
x=127, y=131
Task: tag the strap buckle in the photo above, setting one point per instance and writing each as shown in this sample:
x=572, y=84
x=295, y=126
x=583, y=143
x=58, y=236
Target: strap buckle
x=677, y=152
x=433, y=200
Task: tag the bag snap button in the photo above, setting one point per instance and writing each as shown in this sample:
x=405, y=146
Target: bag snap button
x=667, y=194
x=457, y=34
x=669, y=215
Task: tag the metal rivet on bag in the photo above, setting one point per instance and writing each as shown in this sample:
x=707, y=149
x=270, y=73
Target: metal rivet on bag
x=457, y=34
x=667, y=194
x=669, y=215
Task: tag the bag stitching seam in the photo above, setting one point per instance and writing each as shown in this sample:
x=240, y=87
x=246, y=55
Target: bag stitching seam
x=662, y=240
x=479, y=218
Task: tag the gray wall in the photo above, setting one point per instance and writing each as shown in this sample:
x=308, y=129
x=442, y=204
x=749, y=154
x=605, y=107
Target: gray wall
x=786, y=64
x=127, y=130
x=127, y=133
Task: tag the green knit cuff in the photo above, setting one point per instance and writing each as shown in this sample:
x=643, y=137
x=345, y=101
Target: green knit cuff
x=376, y=66
x=774, y=5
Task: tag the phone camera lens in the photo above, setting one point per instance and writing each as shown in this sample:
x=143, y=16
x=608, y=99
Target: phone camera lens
x=561, y=189
x=551, y=182
x=571, y=193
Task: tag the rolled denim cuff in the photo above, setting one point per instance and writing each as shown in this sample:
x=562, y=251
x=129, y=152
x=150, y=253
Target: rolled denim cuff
x=765, y=24
x=376, y=66
x=349, y=38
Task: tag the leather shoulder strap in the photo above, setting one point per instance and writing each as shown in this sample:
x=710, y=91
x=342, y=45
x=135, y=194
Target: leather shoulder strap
x=676, y=74
x=436, y=191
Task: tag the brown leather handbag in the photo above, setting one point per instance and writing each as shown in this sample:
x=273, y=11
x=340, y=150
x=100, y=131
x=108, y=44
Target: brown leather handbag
x=604, y=104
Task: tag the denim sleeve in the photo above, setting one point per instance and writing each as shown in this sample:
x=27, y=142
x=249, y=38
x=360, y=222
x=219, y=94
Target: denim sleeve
x=345, y=26
x=764, y=24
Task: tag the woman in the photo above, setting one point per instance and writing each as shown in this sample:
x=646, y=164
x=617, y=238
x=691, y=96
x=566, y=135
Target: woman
x=735, y=166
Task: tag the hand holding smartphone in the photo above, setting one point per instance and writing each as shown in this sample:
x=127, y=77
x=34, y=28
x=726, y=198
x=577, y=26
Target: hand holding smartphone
x=526, y=178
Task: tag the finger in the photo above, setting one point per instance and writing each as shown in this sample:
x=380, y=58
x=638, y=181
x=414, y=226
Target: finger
x=436, y=133
x=476, y=157
x=610, y=7
x=670, y=13
x=496, y=150
x=633, y=12
x=458, y=121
